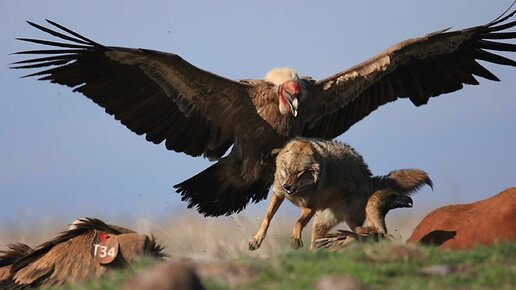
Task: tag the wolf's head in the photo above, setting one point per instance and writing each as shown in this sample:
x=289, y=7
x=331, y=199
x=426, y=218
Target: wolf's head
x=297, y=167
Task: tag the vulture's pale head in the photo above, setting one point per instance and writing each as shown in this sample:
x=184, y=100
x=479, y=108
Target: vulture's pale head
x=289, y=89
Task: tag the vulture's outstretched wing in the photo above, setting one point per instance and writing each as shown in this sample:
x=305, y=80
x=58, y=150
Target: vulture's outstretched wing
x=163, y=96
x=153, y=93
x=418, y=69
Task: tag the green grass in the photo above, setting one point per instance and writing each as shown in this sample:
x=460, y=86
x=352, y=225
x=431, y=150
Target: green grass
x=377, y=266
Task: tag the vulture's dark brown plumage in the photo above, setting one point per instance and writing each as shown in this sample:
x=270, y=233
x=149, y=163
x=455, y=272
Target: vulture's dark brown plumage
x=199, y=113
x=72, y=255
x=9, y=257
x=378, y=205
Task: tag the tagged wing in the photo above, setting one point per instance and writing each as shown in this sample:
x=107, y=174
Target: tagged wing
x=66, y=261
x=418, y=69
x=150, y=92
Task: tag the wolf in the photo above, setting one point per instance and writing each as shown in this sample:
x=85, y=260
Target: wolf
x=330, y=180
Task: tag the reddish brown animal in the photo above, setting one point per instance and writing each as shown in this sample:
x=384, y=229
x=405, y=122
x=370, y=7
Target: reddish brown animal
x=90, y=248
x=201, y=113
x=464, y=226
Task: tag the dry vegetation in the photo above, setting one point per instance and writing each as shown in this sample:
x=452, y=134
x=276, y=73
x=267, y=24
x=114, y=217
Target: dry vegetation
x=190, y=235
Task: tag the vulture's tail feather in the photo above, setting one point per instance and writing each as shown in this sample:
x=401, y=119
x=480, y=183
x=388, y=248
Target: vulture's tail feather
x=216, y=192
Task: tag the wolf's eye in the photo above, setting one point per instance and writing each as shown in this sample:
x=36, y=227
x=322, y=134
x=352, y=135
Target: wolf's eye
x=305, y=170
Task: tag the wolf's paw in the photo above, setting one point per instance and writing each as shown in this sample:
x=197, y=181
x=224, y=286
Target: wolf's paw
x=296, y=243
x=254, y=244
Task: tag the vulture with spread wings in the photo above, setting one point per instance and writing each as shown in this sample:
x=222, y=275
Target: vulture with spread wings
x=200, y=113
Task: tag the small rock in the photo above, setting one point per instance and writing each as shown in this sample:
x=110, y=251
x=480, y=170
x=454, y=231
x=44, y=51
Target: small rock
x=167, y=276
x=407, y=253
x=338, y=283
x=230, y=273
x=441, y=270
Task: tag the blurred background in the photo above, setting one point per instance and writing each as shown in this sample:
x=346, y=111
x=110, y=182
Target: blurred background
x=62, y=156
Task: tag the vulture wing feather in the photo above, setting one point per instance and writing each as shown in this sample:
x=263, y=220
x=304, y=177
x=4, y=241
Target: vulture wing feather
x=417, y=69
x=193, y=97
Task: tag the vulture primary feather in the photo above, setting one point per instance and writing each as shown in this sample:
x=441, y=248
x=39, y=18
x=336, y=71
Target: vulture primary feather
x=167, y=99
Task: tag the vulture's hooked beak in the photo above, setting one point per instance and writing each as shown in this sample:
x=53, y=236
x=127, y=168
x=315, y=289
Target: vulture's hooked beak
x=293, y=103
x=403, y=201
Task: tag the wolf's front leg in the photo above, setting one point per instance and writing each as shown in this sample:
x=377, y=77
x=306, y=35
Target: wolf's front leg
x=306, y=215
x=274, y=204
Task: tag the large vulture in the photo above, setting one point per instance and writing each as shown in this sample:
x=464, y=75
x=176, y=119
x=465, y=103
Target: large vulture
x=197, y=112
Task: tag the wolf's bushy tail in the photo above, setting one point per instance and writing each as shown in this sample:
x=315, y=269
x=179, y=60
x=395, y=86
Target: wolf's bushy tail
x=404, y=181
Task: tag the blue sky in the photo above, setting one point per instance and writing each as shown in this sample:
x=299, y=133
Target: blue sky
x=62, y=156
